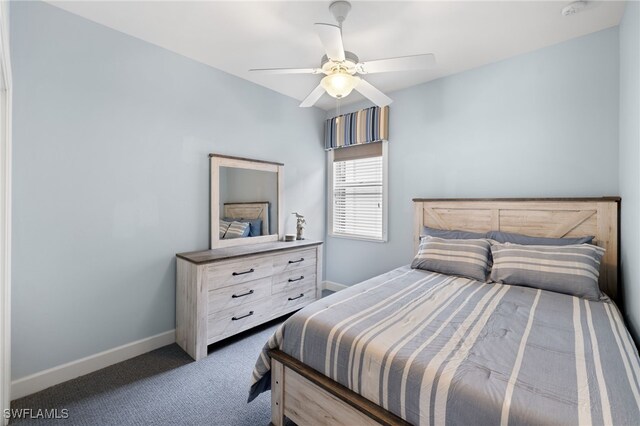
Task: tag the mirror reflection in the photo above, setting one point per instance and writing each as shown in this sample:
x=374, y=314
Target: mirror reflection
x=248, y=203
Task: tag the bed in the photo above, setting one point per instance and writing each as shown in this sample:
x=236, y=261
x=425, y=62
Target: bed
x=418, y=347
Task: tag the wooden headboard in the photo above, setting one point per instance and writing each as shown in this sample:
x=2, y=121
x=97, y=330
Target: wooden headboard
x=548, y=217
x=257, y=210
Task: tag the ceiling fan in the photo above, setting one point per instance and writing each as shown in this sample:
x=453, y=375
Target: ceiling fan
x=340, y=66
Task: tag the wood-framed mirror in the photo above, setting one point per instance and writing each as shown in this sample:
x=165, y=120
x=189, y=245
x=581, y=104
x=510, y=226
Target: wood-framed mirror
x=246, y=201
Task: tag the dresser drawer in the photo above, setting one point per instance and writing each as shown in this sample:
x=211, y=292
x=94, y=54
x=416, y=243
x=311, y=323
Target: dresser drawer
x=291, y=300
x=293, y=260
x=234, y=320
x=294, y=279
x=224, y=274
x=239, y=294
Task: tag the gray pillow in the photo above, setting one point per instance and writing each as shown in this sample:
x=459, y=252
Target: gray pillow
x=237, y=230
x=452, y=234
x=255, y=225
x=509, y=237
x=224, y=225
x=570, y=270
x=467, y=258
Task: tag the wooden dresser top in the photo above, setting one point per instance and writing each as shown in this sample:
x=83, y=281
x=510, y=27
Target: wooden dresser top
x=208, y=256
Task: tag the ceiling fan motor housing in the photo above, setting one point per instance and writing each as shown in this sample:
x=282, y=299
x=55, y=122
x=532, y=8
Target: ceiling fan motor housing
x=349, y=63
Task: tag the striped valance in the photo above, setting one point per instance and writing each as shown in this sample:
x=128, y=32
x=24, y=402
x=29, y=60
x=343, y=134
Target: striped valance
x=360, y=127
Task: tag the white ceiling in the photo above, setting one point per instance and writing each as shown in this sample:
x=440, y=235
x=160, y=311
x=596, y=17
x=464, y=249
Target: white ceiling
x=237, y=36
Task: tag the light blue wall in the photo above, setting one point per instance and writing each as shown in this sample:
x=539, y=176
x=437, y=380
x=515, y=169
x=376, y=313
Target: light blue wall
x=539, y=124
x=111, y=136
x=630, y=162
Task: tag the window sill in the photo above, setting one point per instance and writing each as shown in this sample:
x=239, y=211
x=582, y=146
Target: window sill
x=358, y=238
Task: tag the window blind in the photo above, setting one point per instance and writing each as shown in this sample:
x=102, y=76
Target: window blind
x=358, y=193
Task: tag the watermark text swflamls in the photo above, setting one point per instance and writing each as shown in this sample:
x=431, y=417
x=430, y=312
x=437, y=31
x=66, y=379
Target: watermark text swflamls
x=36, y=413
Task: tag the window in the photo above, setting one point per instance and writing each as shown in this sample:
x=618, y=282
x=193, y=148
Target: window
x=357, y=192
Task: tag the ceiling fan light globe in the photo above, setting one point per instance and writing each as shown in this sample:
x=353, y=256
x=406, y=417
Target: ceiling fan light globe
x=339, y=85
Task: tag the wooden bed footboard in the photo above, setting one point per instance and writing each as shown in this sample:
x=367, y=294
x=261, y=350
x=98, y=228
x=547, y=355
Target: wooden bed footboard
x=309, y=398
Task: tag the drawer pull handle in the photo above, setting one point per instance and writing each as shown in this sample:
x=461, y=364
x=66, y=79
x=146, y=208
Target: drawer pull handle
x=297, y=261
x=297, y=297
x=235, y=296
x=244, y=316
x=242, y=273
x=293, y=280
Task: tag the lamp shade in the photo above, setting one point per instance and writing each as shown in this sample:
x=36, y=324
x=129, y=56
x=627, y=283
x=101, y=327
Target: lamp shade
x=339, y=84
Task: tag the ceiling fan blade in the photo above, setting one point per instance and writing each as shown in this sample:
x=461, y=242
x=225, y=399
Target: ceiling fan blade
x=370, y=92
x=331, y=39
x=403, y=63
x=313, y=97
x=287, y=70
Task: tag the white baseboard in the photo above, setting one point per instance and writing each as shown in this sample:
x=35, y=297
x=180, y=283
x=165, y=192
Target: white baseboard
x=330, y=285
x=53, y=376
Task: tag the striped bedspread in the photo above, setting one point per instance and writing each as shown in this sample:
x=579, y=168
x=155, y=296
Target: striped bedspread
x=437, y=349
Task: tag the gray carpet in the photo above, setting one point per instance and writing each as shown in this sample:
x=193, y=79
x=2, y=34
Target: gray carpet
x=165, y=387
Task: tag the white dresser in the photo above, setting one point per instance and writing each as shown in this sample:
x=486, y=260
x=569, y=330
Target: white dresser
x=224, y=291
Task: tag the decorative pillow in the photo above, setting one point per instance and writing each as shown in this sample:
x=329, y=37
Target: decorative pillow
x=468, y=258
x=509, y=237
x=571, y=270
x=255, y=228
x=237, y=230
x=224, y=225
x=452, y=234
